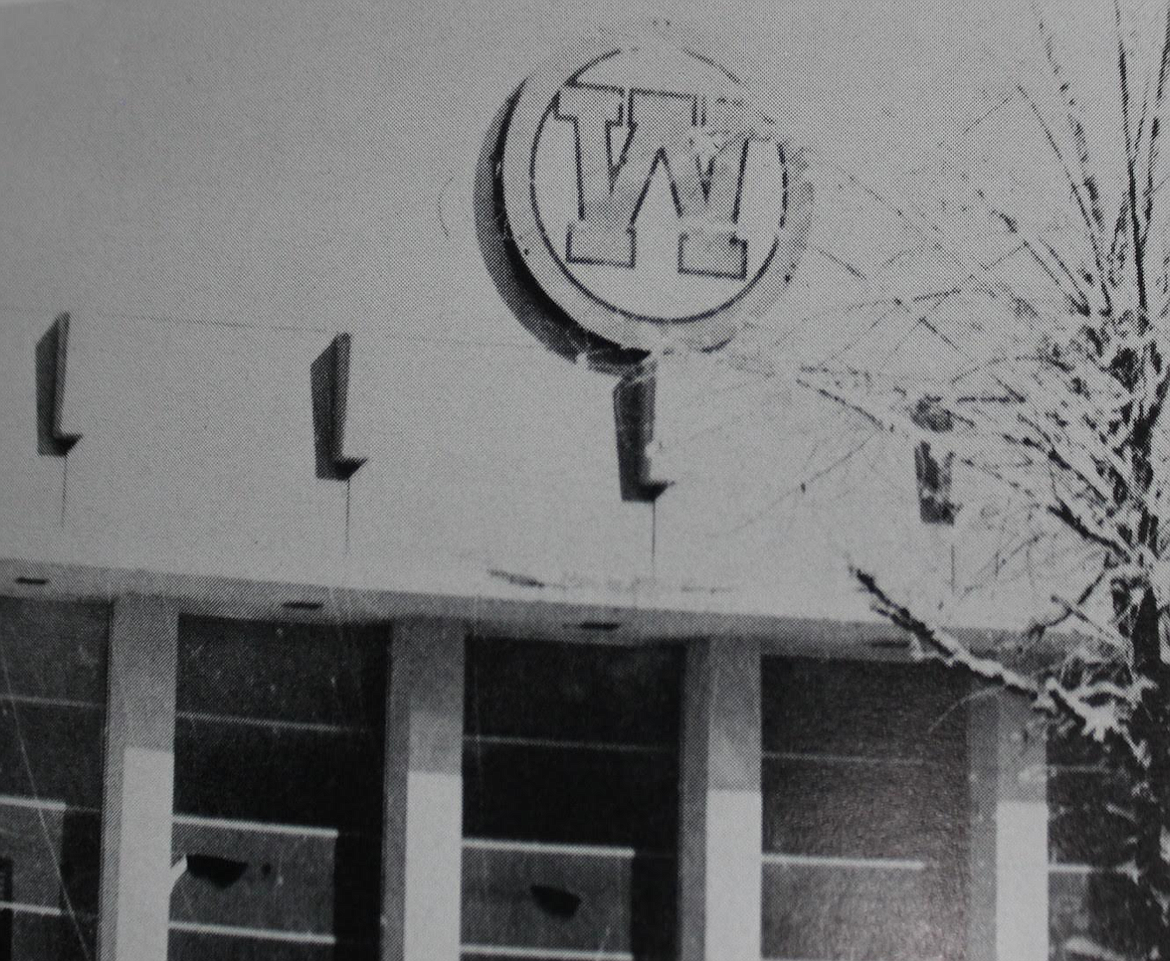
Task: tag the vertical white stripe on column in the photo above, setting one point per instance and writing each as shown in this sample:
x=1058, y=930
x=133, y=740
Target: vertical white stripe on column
x=1022, y=881
x=721, y=814
x=422, y=852
x=139, y=781
x=1021, y=829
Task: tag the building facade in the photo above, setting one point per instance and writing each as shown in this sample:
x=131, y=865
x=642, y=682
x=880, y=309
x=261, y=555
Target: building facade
x=352, y=605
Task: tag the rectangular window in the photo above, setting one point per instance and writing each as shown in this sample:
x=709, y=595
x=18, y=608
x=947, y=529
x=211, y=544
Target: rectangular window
x=1090, y=901
x=570, y=801
x=52, y=722
x=865, y=811
x=278, y=791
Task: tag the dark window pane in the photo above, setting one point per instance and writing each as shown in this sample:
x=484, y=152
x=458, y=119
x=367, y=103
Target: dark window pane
x=1068, y=747
x=860, y=810
x=867, y=709
x=313, y=673
x=280, y=775
x=54, y=650
x=1088, y=797
x=37, y=937
x=52, y=728
x=570, y=770
x=586, y=797
x=831, y=912
x=1097, y=906
x=536, y=899
x=281, y=880
x=51, y=856
x=1085, y=825
x=865, y=799
x=278, y=791
x=572, y=692
x=52, y=752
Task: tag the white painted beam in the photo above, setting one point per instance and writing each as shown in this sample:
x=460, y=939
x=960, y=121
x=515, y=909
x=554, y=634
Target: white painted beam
x=139, y=781
x=721, y=836
x=422, y=852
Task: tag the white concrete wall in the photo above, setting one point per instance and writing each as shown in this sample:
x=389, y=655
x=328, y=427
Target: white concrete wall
x=213, y=190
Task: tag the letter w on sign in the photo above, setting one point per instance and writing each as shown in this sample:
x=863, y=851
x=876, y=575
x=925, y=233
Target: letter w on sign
x=702, y=147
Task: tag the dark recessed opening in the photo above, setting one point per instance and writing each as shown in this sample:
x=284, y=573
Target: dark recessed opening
x=302, y=605
x=221, y=873
x=32, y=581
x=890, y=644
x=598, y=625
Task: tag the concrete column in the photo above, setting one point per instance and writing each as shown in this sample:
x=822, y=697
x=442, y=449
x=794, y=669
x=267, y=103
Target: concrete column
x=1008, y=896
x=721, y=817
x=1021, y=829
x=139, y=781
x=423, y=846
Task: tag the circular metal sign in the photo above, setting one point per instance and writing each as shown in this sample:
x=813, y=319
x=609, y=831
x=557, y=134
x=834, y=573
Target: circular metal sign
x=648, y=195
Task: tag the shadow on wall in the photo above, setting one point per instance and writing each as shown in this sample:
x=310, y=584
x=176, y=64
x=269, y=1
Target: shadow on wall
x=80, y=894
x=633, y=395
x=50, y=379
x=539, y=314
x=329, y=385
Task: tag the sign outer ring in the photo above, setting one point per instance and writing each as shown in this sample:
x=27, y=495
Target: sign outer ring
x=704, y=330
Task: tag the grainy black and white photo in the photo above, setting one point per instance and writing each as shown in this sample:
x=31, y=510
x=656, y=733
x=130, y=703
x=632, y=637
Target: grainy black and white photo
x=675, y=480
